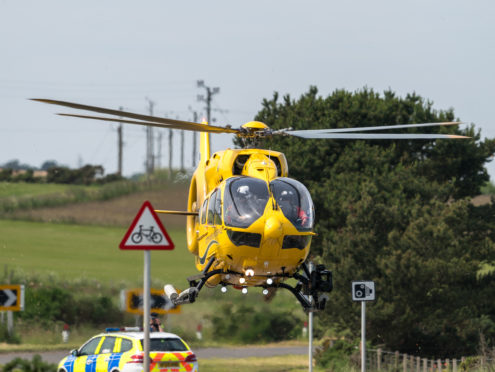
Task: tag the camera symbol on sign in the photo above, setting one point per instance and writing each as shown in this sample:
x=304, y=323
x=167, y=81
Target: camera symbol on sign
x=363, y=291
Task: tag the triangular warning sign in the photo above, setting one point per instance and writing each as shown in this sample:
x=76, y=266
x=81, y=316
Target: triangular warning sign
x=146, y=232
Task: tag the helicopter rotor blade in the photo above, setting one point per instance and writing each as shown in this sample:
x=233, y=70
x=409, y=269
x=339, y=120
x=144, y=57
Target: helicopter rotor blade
x=203, y=128
x=377, y=128
x=146, y=118
x=371, y=136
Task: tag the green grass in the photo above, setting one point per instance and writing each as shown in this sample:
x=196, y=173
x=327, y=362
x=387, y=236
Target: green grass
x=285, y=363
x=23, y=189
x=71, y=252
x=89, y=257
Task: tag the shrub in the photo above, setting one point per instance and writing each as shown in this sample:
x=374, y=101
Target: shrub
x=24, y=365
x=48, y=304
x=8, y=338
x=244, y=323
x=338, y=357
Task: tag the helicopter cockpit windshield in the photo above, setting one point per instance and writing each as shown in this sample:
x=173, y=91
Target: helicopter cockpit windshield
x=245, y=199
x=295, y=201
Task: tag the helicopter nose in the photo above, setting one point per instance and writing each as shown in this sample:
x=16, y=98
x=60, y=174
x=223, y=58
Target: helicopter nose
x=273, y=228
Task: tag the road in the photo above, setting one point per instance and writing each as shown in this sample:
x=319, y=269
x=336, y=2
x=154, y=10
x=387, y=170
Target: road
x=206, y=353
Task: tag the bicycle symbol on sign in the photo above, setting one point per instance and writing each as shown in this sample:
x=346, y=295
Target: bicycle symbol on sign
x=149, y=234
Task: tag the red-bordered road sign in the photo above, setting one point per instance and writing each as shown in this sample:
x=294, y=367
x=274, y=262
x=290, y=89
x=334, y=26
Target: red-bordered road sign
x=147, y=232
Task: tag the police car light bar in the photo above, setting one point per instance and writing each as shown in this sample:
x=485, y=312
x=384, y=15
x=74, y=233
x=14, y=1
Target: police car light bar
x=125, y=329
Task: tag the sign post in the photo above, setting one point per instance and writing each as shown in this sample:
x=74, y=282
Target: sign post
x=310, y=323
x=11, y=299
x=146, y=233
x=363, y=291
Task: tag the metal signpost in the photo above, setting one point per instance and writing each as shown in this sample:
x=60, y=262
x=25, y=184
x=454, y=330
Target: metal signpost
x=11, y=299
x=311, y=267
x=146, y=233
x=363, y=291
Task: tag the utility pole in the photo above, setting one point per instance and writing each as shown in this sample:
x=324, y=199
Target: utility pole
x=209, y=95
x=159, y=144
x=150, y=157
x=170, y=152
x=195, y=138
x=120, y=144
x=182, y=150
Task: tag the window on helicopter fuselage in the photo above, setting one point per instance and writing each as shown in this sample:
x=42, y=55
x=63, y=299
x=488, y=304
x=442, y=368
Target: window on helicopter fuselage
x=217, y=207
x=211, y=208
x=203, y=212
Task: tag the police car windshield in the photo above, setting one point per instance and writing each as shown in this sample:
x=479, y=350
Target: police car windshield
x=166, y=344
x=295, y=201
x=245, y=199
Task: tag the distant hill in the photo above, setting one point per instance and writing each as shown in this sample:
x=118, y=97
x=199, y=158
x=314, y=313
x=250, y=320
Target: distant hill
x=119, y=211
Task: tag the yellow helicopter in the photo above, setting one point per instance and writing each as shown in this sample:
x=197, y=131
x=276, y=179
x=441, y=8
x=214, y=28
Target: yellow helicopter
x=248, y=223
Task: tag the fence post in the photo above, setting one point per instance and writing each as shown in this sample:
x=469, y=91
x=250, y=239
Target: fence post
x=396, y=361
x=425, y=365
x=412, y=363
x=379, y=359
x=454, y=365
x=404, y=362
x=418, y=364
x=439, y=365
x=447, y=364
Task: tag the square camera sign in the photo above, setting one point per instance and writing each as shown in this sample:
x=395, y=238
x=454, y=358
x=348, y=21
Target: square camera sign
x=363, y=291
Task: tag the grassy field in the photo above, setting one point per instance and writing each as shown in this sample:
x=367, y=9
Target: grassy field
x=74, y=251
x=18, y=189
x=286, y=363
x=90, y=254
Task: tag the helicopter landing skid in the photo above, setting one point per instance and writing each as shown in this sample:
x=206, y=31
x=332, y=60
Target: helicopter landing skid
x=196, y=282
x=310, y=289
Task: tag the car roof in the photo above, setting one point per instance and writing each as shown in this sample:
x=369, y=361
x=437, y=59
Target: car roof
x=140, y=335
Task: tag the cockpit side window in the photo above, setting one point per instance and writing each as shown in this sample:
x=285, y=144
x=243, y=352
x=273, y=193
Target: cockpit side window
x=203, y=212
x=211, y=208
x=217, y=209
x=295, y=201
x=245, y=199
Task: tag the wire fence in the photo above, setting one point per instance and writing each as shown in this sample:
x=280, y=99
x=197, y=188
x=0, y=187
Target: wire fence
x=381, y=360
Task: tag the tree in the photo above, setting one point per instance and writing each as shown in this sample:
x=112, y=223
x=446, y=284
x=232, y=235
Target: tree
x=396, y=212
x=47, y=164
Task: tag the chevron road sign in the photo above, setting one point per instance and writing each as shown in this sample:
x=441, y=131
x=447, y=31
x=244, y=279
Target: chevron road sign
x=11, y=297
x=160, y=304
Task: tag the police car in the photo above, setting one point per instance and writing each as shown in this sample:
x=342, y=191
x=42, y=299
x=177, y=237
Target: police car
x=121, y=350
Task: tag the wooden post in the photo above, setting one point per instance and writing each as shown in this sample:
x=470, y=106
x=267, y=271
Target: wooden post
x=411, y=364
x=439, y=365
x=404, y=362
x=379, y=359
x=425, y=365
x=418, y=364
x=396, y=361
x=447, y=364
x=454, y=365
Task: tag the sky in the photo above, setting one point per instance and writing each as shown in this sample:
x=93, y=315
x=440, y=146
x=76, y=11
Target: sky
x=122, y=53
